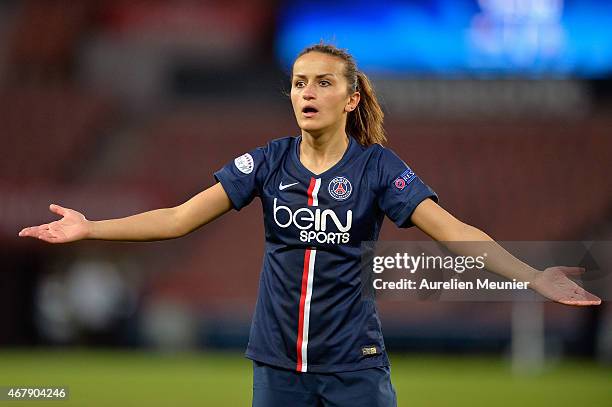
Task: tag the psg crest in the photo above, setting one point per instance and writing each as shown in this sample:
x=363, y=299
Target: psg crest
x=340, y=188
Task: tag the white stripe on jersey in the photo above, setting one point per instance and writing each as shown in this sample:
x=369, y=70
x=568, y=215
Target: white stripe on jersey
x=311, y=263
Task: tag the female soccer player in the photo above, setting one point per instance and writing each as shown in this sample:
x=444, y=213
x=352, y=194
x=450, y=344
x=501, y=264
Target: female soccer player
x=314, y=340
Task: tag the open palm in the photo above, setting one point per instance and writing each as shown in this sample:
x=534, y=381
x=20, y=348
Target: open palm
x=553, y=283
x=73, y=226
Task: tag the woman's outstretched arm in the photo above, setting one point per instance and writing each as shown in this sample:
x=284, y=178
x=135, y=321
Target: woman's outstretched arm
x=158, y=224
x=552, y=283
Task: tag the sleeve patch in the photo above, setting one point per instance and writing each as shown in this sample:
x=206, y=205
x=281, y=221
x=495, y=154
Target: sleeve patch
x=245, y=163
x=404, y=179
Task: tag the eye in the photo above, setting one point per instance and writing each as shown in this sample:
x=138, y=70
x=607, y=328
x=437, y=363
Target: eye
x=325, y=83
x=298, y=84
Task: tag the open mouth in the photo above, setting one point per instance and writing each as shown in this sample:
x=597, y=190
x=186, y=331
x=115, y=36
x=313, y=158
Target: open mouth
x=309, y=111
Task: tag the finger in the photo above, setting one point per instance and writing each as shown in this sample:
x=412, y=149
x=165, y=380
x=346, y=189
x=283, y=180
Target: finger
x=584, y=298
x=32, y=231
x=592, y=297
x=572, y=271
x=27, y=233
x=58, y=209
x=581, y=303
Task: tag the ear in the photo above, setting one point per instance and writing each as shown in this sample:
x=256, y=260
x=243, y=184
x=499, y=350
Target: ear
x=352, y=102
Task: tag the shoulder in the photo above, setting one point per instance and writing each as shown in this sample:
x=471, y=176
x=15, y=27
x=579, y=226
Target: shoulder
x=281, y=142
x=266, y=156
x=272, y=149
x=369, y=152
x=384, y=152
x=377, y=150
x=381, y=156
x=388, y=166
x=278, y=147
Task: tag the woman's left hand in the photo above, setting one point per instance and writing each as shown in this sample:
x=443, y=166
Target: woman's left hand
x=553, y=283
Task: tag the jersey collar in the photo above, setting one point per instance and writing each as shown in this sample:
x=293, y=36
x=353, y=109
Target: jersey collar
x=348, y=153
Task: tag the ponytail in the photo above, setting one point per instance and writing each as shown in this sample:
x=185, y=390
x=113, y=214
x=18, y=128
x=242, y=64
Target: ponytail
x=365, y=123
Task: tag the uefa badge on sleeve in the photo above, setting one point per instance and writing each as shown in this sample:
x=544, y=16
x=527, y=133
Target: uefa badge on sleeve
x=404, y=179
x=399, y=183
x=340, y=188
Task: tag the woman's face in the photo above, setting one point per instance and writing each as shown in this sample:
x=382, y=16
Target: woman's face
x=319, y=92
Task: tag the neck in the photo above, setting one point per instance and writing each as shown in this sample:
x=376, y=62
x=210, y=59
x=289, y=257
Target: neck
x=322, y=147
x=322, y=150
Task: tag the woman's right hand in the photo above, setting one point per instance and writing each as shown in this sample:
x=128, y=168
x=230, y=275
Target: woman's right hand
x=73, y=226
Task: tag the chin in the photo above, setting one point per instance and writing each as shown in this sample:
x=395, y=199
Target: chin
x=310, y=126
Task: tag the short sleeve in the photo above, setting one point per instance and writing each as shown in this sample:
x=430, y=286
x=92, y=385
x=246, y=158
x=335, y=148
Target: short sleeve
x=242, y=178
x=400, y=190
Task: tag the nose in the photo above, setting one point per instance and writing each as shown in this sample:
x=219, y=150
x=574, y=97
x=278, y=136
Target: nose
x=308, y=92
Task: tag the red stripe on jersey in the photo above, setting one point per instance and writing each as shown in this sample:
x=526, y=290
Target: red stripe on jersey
x=313, y=182
x=300, y=337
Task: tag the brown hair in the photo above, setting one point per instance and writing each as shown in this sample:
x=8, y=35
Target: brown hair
x=365, y=123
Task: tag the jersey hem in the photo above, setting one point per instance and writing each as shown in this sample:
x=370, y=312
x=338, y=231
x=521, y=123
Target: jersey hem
x=377, y=361
x=404, y=215
x=230, y=189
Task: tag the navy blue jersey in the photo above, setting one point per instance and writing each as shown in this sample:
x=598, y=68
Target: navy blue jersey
x=310, y=314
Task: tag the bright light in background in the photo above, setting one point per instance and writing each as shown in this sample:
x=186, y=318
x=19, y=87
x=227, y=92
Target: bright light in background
x=526, y=34
x=88, y=297
x=458, y=38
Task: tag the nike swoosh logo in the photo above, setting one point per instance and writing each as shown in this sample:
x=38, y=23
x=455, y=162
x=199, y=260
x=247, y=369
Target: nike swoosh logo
x=281, y=186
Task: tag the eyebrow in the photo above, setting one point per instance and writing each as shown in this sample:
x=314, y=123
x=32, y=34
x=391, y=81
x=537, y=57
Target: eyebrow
x=318, y=76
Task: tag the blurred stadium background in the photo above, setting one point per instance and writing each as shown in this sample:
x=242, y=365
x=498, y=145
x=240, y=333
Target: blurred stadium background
x=117, y=107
